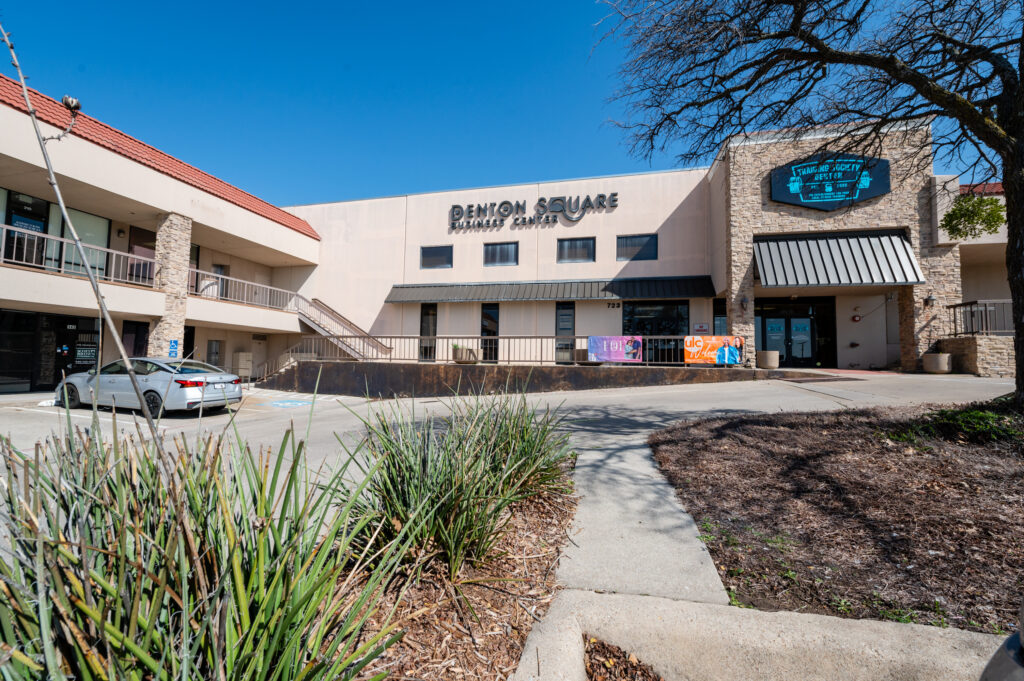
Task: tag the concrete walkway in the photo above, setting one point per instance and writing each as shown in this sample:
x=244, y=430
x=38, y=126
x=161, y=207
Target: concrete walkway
x=636, y=574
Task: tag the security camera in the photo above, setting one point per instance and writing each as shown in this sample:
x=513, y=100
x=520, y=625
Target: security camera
x=70, y=103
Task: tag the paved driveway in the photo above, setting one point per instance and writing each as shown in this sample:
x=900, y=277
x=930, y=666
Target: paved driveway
x=263, y=415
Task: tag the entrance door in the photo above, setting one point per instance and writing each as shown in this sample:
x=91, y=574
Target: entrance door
x=428, y=332
x=565, y=329
x=489, y=331
x=135, y=336
x=801, y=330
x=28, y=213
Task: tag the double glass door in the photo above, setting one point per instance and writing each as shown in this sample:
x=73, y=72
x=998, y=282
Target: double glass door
x=802, y=331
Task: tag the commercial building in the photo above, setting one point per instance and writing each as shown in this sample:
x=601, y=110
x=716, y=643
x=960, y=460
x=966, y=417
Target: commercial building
x=834, y=262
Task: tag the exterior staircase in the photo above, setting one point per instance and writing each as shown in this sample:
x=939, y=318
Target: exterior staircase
x=339, y=338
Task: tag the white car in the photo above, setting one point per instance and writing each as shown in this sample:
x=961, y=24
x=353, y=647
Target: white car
x=167, y=385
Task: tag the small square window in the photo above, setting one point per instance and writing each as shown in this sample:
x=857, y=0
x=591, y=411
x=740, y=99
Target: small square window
x=637, y=247
x=576, y=250
x=435, y=257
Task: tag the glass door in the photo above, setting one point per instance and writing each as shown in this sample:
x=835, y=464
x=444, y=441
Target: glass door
x=801, y=330
x=428, y=332
x=28, y=213
x=565, y=329
x=489, y=331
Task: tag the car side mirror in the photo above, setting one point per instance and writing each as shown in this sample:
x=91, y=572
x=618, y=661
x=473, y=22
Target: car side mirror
x=92, y=372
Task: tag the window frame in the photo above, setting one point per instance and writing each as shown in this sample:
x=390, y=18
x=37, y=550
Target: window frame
x=618, y=247
x=451, y=257
x=593, y=249
x=515, y=263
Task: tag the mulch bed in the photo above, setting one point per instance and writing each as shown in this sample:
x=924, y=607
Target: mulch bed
x=480, y=634
x=855, y=514
x=605, y=662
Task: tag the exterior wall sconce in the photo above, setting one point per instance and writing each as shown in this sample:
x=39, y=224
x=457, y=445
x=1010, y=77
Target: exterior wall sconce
x=929, y=301
x=744, y=303
x=120, y=234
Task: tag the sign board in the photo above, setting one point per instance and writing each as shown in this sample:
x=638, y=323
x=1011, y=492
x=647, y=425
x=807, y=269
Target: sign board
x=722, y=350
x=701, y=328
x=830, y=181
x=85, y=353
x=614, y=349
x=172, y=349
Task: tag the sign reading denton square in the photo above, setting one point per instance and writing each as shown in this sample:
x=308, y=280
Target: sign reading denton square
x=830, y=181
x=546, y=210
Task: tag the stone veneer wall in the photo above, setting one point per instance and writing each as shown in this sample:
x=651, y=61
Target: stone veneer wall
x=908, y=206
x=173, y=240
x=981, y=355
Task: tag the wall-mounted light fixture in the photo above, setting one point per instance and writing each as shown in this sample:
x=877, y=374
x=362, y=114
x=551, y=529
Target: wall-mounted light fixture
x=744, y=303
x=929, y=301
x=120, y=234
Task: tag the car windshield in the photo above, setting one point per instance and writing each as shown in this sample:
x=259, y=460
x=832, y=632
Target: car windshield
x=193, y=367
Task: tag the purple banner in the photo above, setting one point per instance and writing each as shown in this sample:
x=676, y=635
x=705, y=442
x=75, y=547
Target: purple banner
x=614, y=349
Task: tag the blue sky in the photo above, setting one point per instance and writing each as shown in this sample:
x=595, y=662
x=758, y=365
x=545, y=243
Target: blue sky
x=302, y=102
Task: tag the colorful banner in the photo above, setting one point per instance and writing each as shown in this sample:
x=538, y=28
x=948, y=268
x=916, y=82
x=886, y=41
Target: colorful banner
x=614, y=349
x=723, y=350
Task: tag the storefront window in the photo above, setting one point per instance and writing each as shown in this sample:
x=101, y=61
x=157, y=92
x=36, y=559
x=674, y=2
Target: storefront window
x=721, y=320
x=658, y=318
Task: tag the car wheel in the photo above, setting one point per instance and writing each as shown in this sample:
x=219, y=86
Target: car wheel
x=154, y=404
x=70, y=397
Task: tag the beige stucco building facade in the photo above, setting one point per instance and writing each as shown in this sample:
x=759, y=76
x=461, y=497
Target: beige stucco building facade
x=191, y=266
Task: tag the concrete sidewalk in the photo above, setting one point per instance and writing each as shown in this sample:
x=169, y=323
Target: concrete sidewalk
x=637, y=575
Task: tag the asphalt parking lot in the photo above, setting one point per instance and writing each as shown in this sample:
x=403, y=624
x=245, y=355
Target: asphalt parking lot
x=263, y=415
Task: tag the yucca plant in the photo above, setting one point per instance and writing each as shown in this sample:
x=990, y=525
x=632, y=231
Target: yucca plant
x=459, y=474
x=218, y=563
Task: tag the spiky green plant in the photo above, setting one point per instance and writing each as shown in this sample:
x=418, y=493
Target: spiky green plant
x=459, y=474
x=218, y=564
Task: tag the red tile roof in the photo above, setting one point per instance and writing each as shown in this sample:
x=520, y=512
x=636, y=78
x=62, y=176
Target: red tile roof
x=53, y=112
x=982, y=188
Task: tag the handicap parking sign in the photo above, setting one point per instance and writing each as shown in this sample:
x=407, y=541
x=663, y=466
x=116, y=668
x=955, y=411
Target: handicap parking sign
x=172, y=349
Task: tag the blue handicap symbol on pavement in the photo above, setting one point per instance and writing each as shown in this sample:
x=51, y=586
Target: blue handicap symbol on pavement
x=288, y=404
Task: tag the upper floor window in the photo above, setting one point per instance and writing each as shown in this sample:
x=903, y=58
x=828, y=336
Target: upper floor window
x=576, y=250
x=637, y=247
x=435, y=257
x=506, y=253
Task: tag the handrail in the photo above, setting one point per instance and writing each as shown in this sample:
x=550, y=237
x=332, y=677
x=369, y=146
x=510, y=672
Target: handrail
x=231, y=289
x=348, y=322
x=981, y=317
x=50, y=253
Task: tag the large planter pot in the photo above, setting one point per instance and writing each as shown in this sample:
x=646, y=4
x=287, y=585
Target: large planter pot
x=937, y=362
x=464, y=355
x=767, y=359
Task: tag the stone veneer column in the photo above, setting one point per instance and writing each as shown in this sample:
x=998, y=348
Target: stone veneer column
x=173, y=241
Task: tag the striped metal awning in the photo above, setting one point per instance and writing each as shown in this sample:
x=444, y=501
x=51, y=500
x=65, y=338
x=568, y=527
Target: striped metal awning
x=883, y=258
x=605, y=289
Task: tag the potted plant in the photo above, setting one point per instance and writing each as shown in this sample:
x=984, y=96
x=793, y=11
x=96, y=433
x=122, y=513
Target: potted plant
x=463, y=355
x=935, y=362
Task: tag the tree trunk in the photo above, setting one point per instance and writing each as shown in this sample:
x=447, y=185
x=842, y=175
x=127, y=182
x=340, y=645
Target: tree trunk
x=1013, y=186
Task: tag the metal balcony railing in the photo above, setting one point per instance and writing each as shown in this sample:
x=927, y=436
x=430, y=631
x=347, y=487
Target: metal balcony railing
x=991, y=317
x=222, y=287
x=48, y=253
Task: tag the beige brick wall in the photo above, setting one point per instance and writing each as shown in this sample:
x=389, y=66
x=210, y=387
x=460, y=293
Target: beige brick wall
x=173, y=238
x=908, y=206
x=981, y=355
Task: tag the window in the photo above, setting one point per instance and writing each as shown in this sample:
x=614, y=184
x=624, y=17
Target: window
x=719, y=316
x=576, y=250
x=637, y=247
x=501, y=254
x=435, y=257
x=114, y=369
